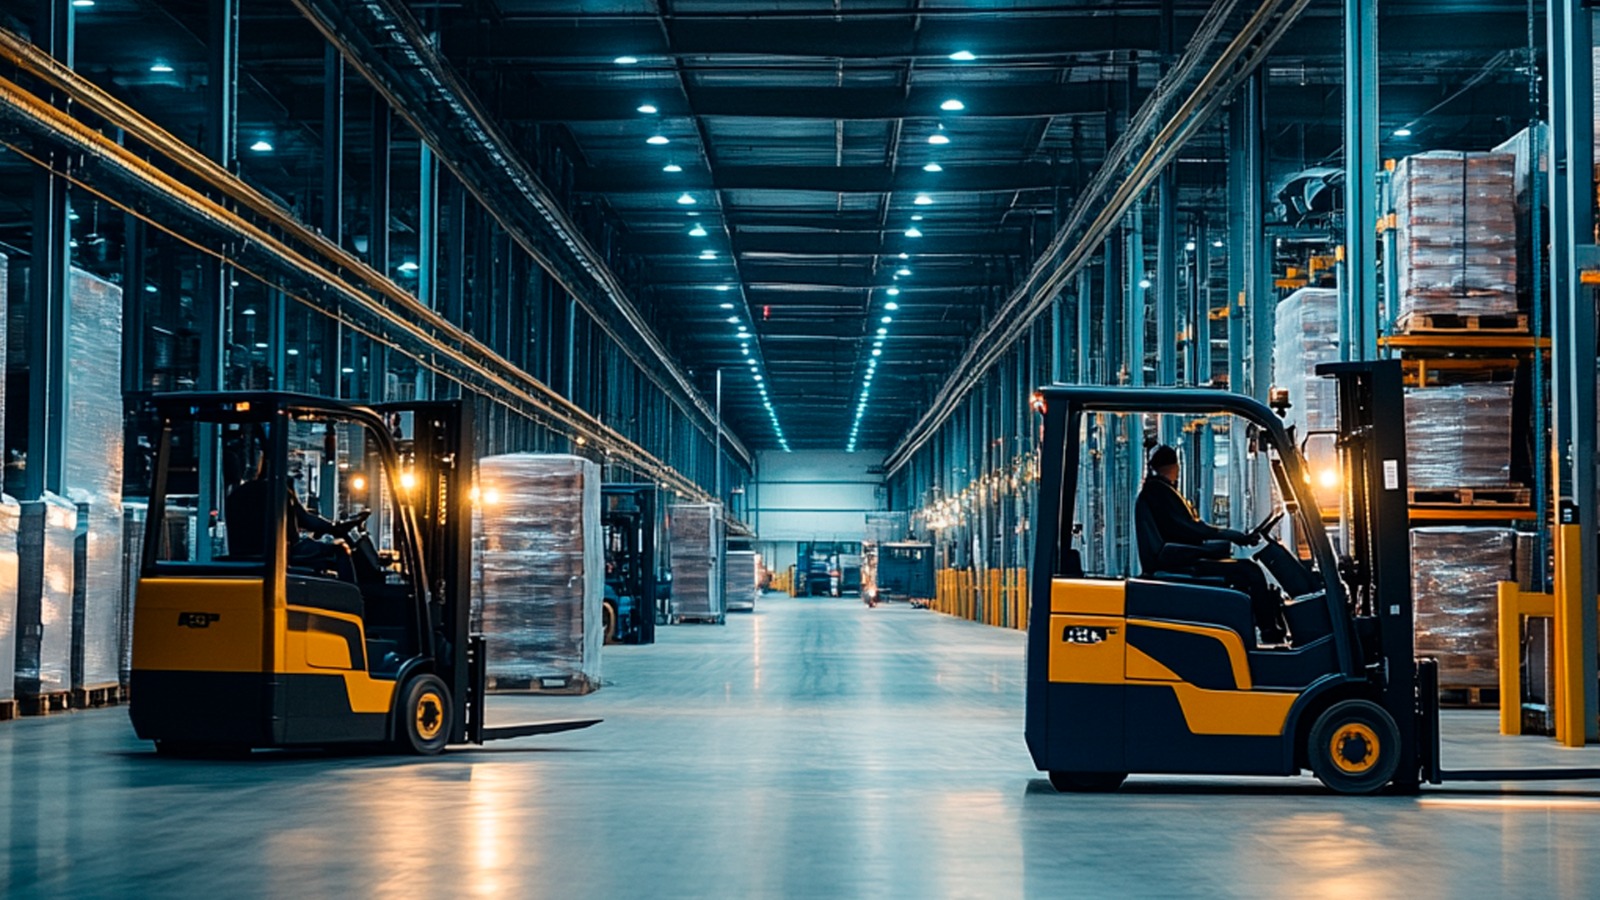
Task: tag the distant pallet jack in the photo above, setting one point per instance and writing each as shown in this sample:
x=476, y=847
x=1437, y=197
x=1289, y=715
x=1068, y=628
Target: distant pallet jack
x=1161, y=673
x=246, y=638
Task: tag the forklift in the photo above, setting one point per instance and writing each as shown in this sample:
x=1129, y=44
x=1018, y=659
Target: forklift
x=628, y=517
x=262, y=623
x=1162, y=674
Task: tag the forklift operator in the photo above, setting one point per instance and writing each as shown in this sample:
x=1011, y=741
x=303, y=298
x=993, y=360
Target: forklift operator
x=247, y=532
x=1182, y=543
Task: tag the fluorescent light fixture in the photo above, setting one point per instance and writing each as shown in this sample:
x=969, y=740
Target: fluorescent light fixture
x=963, y=56
x=726, y=305
x=697, y=231
x=1144, y=284
x=686, y=199
x=658, y=139
x=891, y=306
x=83, y=4
x=1189, y=246
x=408, y=266
x=905, y=256
x=348, y=371
x=160, y=67
x=724, y=287
x=938, y=139
x=903, y=271
x=886, y=319
x=882, y=332
x=292, y=352
x=923, y=200
x=758, y=378
x=262, y=345
x=708, y=254
x=248, y=311
x=916, y=218
x=746, y=349
x=151, y=289
x=913, y=232
x=877, y=352
x=672, y=167
x=877, y=343
x=1217, y=243
x=952, y=105
x=648, y=109
x=933, y=167
x=733, y=320
x=893, y=292
x=626, y=60
x=1402, y=132
x=262, y=146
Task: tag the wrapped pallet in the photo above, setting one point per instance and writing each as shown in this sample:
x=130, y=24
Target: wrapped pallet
x=697, y=562
x=1459, y=436
x=539, y=572
x=46, y=538
x=10, y=521
x=1456, y=234
x=1307, y=336
x=1455, y=580
x=739, y=581
x=884, y=527
x=92, y=473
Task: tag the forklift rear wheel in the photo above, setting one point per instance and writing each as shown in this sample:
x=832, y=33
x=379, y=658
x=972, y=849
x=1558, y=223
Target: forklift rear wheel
x=1354, y=747
x=1087, y=782
x=425, y=710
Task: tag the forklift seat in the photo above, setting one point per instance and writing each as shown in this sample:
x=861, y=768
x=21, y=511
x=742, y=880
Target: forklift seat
x=1158, y=558
x=1198, y=604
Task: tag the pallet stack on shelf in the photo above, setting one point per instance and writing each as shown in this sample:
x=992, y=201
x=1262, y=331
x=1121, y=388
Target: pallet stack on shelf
x=1466, y=347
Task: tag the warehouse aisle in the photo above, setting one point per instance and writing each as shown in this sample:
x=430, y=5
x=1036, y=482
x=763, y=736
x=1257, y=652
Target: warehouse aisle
x=815, y=748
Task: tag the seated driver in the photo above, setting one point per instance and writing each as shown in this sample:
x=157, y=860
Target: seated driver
x=246, y=508
x=1177, y=523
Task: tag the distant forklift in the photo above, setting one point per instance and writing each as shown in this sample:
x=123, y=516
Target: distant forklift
x=905, y=573
x=628, y=517
x=250, y=634
x=1162, y=673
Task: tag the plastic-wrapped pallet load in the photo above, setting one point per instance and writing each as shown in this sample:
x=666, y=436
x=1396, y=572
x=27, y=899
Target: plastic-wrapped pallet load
x=739, y=583
x=1456, y=222
x=1459, y=436
x=539, y=572
x=1307, y=335
x=1455, y=580
x=92, y=472
x=10, y=519
x=46, y=535
x=884, y=527
x=697, y=558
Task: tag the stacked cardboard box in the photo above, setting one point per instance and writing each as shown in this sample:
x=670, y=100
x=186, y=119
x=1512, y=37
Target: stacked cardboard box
x=539, y=572
x=1456, y=222
x=1455, y=583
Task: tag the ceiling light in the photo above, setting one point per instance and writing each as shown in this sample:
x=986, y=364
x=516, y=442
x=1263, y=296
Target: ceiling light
x=262, y=345
x=161, y=67
x=891, y=305
x=626, y=60
x=1144, y=284
x=758, y=378
x=1402, y=132
x=916, y=218
x=933, y=167
x=247, y=311
x=697, y=231
x=893, y=292
x=408, y=266
x=672, y=167
x=745, y=348
x=658, y=139
x=708, y=254
x=877, y=343
x=648, y=109
x=938, y=139
x=963, y=56
x=261, y=146
x=913, y=232
x=886, y=319
x=151, y=289
x=727, y=305
x=724, y=287
x=905, y=256
x=292, y=352
x=686, y=199
x=348, y=371
x=882, y=332
x=952, y=105
x=1217, y=243
x=1189, y=246
x=902, y=271
x=877, y=352
x=83, y=4
x=733, y=320
x=923, y=200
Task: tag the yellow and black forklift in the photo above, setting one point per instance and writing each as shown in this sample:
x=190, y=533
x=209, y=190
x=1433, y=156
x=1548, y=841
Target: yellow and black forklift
x=267, y=617
x=1162, y=673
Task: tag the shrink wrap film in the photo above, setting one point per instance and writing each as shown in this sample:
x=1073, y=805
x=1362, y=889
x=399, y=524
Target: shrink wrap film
x=1307, y=335
x=1455, y=580
x=1459, y=436
x=1456, y=240
x=46, y=541
x=883, y=527
x=739, y=584
x=10, y=522
x=697, y=562
x=539, y=572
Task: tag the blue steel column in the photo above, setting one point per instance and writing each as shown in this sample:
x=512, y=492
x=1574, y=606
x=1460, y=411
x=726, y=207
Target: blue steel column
x=1241, y=213
x=1206, y=482
x=1572, y=337
x=1361, y=177
x=49, y=295
x=1083, y=374
x=377, y=246
x=332, y=209
x=1110, y=430
x=1261, y=298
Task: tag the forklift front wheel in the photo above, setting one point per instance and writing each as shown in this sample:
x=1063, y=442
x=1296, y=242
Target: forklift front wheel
x=424, y=713
x=1354, y=747
x=1087, y=782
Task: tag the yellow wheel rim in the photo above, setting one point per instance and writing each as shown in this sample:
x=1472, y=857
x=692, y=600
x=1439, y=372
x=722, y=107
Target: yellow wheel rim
x=1354, y=748
x=430, y=715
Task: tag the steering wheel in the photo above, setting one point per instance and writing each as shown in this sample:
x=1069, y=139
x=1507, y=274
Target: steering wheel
x=1264, y=530
x=342, y=528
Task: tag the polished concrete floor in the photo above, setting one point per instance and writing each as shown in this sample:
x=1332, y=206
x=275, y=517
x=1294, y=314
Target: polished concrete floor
x=814, y=748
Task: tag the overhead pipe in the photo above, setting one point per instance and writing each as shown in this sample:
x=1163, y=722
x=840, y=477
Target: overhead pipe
x=1115, y=188
x=117, y=175
x=381, y=40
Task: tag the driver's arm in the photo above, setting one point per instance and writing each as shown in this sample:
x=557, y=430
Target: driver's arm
x=306, y=519
x=1179, y=524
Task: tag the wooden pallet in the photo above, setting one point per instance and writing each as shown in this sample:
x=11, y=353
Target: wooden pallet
x=1507, y=497
x=45, y=704
x=550, y=685
x=92, y=697
x=9, y=709
x=1462, y=323
x=1469, y=697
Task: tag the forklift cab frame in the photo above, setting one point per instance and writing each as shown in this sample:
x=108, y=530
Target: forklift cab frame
x=1156, y=676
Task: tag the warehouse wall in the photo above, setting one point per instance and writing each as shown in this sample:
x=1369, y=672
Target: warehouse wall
x=821, y=495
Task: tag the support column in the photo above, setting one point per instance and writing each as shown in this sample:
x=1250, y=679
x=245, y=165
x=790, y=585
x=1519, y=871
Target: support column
x=331, y=340
x=1166, y=286
x=1361, y=179
x=378, y=241
x=1573, y=362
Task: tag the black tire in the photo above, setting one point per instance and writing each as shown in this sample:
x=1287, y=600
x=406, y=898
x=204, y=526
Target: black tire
x=1087, y=782
x=1354, y=747
x=423, y=719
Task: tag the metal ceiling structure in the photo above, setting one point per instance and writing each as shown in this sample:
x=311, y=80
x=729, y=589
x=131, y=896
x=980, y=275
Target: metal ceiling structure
x=860, y=189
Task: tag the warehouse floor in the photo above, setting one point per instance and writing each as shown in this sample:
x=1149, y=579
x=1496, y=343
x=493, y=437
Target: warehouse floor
x=815, y=748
